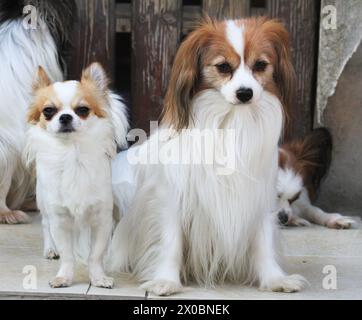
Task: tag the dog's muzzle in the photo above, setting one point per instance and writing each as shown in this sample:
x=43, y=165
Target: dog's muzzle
x=283, y=217
x=66, y=125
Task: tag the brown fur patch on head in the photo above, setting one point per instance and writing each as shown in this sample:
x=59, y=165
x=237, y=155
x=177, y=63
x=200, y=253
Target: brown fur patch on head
x=202, y=49
x=268, y=40
x=94, y=88
x=41, y=90
x=310, y=157
x=206, y=59
x=92, y=92
x=94, y=99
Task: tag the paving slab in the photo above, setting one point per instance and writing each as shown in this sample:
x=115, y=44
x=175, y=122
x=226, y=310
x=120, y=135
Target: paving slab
x=320, y=241
x=348, y=284
x=124, y=288
x=308, y=251
x=25, y=273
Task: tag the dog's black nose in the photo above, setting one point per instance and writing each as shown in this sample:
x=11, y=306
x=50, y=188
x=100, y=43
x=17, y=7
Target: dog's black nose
x=283, y=217
x=65, y=119
x=244, y=94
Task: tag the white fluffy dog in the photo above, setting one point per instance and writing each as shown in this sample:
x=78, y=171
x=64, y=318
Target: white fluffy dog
x=73, y=135
x=210, y=222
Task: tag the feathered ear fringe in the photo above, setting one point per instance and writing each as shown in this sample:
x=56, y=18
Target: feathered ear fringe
x=117, y=113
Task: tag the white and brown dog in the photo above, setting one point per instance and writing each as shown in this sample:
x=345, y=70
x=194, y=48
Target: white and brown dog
x=303, y=165
x=188, y=220
x=74, y=131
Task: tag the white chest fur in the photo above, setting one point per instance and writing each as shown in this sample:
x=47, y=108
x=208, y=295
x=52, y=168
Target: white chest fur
x=73, y=174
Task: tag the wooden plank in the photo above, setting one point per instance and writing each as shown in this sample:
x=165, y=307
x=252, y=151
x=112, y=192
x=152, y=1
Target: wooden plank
x=94, y=36
x=226, y=9
x=156, y=26
x=258, y=7
x=301, y=17
x=190, y=15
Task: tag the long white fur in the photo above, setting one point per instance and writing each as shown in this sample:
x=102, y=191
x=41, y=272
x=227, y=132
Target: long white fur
x=186, y=219
x=74, y=190
x=189, y=222
x=21, y=52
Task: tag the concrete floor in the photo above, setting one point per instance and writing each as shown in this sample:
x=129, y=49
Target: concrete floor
x=308, y=251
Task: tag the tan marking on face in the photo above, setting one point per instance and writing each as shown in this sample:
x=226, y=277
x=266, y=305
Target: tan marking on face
x=45, y=97
x=88, y=95
x=269, y=39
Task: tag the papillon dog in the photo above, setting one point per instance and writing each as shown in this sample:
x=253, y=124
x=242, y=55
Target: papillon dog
x=75, y=128
x=201, y=221
x=303, y=164
x=39, y=37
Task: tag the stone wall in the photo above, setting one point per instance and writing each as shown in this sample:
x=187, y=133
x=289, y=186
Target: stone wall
x=339, y=105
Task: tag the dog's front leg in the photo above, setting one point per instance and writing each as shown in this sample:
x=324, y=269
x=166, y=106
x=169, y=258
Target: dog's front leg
x=330, y=220
x=269, y=274
x=61, y=227
x=166, y=276
x=50, y=252
x=100, y=237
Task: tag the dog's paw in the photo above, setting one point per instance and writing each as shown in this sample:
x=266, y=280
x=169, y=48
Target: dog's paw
x=298, y=222
x=162, y=287
x=103, y=282
x=51, y=254
x=288, y=284
x=337, y=221
x=60, y=282
x=14, y=217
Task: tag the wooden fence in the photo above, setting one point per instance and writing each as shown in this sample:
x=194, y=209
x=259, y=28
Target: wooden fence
x=155, y=29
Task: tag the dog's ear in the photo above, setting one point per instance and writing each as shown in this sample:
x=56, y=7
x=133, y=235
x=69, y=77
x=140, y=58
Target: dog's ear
x=185, y=76
x=284, y=74
x=96, y=75
x=41, y=80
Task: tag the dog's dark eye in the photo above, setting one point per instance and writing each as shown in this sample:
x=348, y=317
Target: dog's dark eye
x=295, y=198
x=49, y=112
x=82, y=111
x=260, y=66
x=224, y=68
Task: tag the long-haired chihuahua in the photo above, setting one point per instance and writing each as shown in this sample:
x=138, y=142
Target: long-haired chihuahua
x=74, y=131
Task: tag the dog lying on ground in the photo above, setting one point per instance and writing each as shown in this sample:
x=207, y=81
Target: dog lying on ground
x=303, y=164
